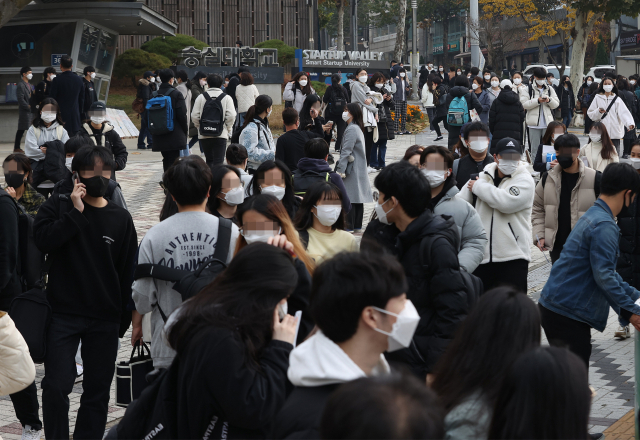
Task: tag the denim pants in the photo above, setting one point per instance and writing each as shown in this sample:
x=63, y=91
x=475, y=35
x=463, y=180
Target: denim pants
x=241, y=118
x=566, y=120
x=99, y=353
x=378, y=152
x=144, y=132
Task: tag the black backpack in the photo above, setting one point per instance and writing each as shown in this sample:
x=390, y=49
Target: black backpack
x=188, y=283
x=338, y=101
x=212, y=118
x=302, y=181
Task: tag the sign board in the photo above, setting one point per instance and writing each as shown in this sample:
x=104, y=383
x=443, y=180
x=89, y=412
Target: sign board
x=55, y=59
x=342, y=59
x=229, y=57
x=630, y=40
x=261, y=75
x=453, y=47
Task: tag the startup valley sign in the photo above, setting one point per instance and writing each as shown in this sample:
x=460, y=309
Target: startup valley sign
x=341, y=59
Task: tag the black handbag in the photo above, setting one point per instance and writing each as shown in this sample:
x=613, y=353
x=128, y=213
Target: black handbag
x=131, y=375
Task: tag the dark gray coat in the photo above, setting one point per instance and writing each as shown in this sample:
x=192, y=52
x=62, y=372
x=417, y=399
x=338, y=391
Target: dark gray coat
x=24, y=107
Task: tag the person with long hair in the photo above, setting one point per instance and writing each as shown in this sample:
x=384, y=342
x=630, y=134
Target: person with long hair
x=336, y=97
x=311, y=120
x=297, y=90
x=545, y=395
x=461, y=90
x=246, y=94
x=583, y=93
x=629, y=98
x=385, y=122
x=485, y=97
x=502, y=325
x=439, y=99
x=567, y=99
x=608, y=108
x=321, y=219
x=360, y=94
x=274, y=178
x=412, y=155
x=352, y=166
x=554, y=130
x=403, y=91
x=600, y=151
x=588, y=97
x=427, y=100
x=256, y=136
x=226, y=192
x=17, y=178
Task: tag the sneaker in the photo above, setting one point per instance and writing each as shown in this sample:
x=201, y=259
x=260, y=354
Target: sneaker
x=79, y=370
x=407, y=132
x=399, y=133
x=142, y=148
x=597, y=436
x=370, y=170
x=30, y=434
x=439, y=138
x=622, y=333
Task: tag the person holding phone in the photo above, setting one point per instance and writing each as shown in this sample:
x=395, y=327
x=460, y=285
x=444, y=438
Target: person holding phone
x=311, y=120
x=386, y=125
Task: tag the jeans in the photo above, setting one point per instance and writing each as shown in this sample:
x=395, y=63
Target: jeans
x=241, y=118
x=378, y=152
x=507, y=273
x=566, y=120
x=144, y=132
x=535, y=138
x=25, y=403
x=214, y=149
x=168, y=158
x=99, y=353
x=566, y=332
x=431, y=112
x=185, y=152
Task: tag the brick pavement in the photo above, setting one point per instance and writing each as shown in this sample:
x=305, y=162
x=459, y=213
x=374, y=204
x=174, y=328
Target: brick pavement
x=611, y=372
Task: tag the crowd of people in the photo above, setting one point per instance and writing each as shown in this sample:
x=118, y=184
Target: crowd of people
x=421, y=329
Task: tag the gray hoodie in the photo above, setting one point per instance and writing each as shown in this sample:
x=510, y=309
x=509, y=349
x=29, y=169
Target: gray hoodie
x=182, y=241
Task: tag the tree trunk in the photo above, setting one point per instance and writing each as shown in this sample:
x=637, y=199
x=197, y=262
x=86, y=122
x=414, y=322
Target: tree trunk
x=340, y=4
x=400, y=30
x=445, y=41
x=9, y=8
x=583, y=28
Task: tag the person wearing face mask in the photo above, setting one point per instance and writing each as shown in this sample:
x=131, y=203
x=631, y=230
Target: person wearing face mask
x=484, y=97
x=17, y=178
x=146, y=86
x=567, y=100
x=385, y=123
x=102, y=133
x=43, y=88
x=553, y=217
x=68, y=90
x=24, y=94
x=403, y=92
x=554, y=131
x=274, y=178
x=579, y=296
x=246, y=94
x=461, y=92
x=625, y=93
x=503, y=195
x=255, y=134
x=312, y=121
x=600, y=151
x=436, y=164
x=296, y=91
x=91, y=245
x=404, y=222
x=428, y=101
x=320, y=222
x=494, y=85
x=335, y=98
x=422, y=79
x=455, y=72
x=439, y=90
x=237, y=156
x=290, y=145
x=583, y=97
x=486, y=83
x=230, y=193
x=350, y=340
x=234, y=82
x=607, y=107
x=90, y=94
x=538, y=99
x=360, y=95
x=506, y=117
x=476, y=139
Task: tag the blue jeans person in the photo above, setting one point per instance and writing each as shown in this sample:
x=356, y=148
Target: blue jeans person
x=378, y=152
x=185, y=152
x=144, y=133
x=241, y=118
x=566, y=120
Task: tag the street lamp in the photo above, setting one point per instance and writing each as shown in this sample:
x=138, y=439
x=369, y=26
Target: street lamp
x=414, y=52
x=475, y=44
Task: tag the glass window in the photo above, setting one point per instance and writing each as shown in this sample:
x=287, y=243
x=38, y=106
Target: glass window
x=106, y=52
x=102, y=90
x=88, y=46
x=32, y=45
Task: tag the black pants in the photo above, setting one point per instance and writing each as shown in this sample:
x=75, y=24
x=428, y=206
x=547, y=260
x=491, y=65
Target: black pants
x=16, y=145
x=508, y=273
x=355, y=216
x=99, y=352
x=436, y=124
x=368, y=144
x=341, y=127
x=168, y=158
x=214, y=149
x=25, y=403
x=566, y=332
x=616, y=142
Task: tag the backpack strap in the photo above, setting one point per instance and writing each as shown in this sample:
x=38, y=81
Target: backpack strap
x=220, y=97
x=303, y=234
x=224, y=239
x=530, y=91
x=606, y=112
x=207, y=97
x=158, y=271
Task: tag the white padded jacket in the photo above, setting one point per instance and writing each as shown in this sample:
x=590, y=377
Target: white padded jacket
x=17, y=370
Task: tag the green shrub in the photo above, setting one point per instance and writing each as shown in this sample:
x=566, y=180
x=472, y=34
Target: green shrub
x=319, y=87
x=134, y=62
x=171, y=47
x=286, y=53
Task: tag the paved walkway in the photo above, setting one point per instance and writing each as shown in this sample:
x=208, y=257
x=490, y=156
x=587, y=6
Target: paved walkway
x=611, y=371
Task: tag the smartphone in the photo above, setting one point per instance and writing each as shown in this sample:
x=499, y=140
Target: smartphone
x=474, y=176
x=330, y=123
x=75, y=177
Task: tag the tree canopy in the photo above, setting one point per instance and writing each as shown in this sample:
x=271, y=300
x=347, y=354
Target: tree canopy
x=133, y=63
x=171, y=47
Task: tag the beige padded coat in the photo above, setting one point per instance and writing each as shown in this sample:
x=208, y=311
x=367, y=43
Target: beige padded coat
x=17, y=370
x=544, y=217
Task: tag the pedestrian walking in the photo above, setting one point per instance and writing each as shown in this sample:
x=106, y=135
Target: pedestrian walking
x=401, y=96
x=43, y=89
x=361, y=95
x=18, y=176
x=440, y=101
x=412, y=155
x=567, y=100
x=336, y=98
x=256, y=135
x=234, y=82
x=184, y=87
x=198, y=86
x=475, y=136
x=494, y=86
x=506, y=117
x=600, y=151
x=484, y=97
x=297, y=90
x=90, y=94
x=465, y=100
x=68, y=91
x=246, y=94
x=237, y=156
x=24, y=93
x=631, y=102
x=385, y=123
x=554, y=131
x=311, y=119
x=427, y=101
x=145, y=90
x=170, y=143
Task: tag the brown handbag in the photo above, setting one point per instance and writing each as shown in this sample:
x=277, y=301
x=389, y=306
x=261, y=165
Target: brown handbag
x=138, y=106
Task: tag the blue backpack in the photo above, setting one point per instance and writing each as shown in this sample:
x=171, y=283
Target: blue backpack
x=160, y=114
x=458, y=113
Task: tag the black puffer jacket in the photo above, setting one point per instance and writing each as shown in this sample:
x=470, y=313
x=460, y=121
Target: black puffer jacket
x=567, y=100
x=176, y=139
x=108, y=137
x=385, y=123
x=629, y=261
x=472, y=103
x=441, y=300
x=505, y=117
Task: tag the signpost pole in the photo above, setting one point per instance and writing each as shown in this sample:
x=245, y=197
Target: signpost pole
x=414, y=52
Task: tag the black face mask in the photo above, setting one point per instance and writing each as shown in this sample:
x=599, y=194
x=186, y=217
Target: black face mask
x=565, y=161
x=96, y=186
x=14, y=180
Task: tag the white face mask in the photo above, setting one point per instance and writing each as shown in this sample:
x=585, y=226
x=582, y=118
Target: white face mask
x=474, y=86
x=430, y=66
x=363, y=78
x=540, y=82
x=234, y=196
x=479, y=146
x=226, y=83
x=67, y=162
x=517, y=81
x=441, y=69
x=303, y=83
x=328, y=214
x=259, y=236
x=382, y=216
x=276, y=191
x=404, y=327
x=269, y=112
x=29, y=76
x=635, y=162
x=487, y=77
x=632, y=82
x=507, y=166
x=595, y=137
x=152, y=79
x=97, y=119
x=203, y=83
x=402, y=74
x=379, y=86
x=345, y=116
x=435, y=177
x=52, y=77
x=48, y=116
x=556, y=136
x=458, y=73
x=93, y=75
x=555, y=82
x=495, y=83
x=607, y=88
x=589, y=83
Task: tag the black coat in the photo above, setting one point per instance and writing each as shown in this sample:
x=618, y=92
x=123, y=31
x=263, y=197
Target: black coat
x=472, y=103
x=177, y=139
x=301, y=414
x=385, y=123
x=538, y=165
x=468, y=166
x=234, y=82
x=440, y=93
x=440, y=299
x=68, y=90
x=9, y=254
x=329, y=96
x=290, y=147
x=567, y=100
x=112, y=141
x=629, y=261
x=145, y=89
x=90, y=96
x=506, y=117
x=42, y=91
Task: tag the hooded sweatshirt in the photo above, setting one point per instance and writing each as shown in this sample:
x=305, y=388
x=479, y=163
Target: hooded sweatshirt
x=316, y=368
x=320, y=166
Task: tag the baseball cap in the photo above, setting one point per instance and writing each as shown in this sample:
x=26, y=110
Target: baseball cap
x=147, y=74
x=508, y=146
x=506, y=82
x=98, y=106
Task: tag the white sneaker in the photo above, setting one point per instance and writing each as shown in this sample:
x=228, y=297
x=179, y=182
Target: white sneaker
x=79, y=370
x=370, y=170
x=30, y=434
x=622, y=333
